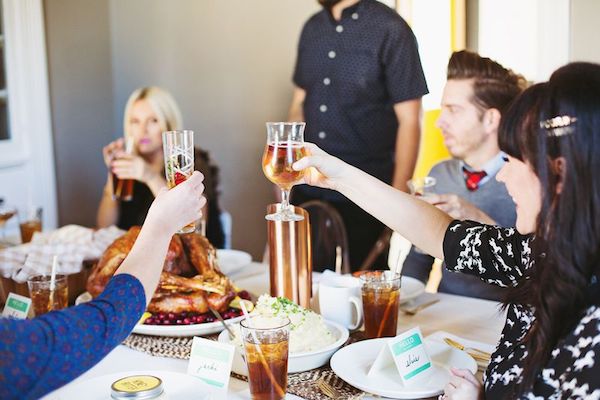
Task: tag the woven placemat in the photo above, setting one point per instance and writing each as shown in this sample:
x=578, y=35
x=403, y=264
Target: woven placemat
x=303, y=384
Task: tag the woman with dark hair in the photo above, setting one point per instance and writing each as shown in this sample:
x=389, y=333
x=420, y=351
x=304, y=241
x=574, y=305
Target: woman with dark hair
x=551, y=261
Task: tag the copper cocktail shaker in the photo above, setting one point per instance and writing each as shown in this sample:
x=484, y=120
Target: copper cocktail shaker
x=290, y=261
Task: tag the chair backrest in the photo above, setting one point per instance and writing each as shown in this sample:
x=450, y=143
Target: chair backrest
x=226, y=223
x=328, y=236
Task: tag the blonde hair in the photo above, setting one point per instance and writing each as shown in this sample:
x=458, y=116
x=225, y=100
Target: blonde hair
x=162, y=103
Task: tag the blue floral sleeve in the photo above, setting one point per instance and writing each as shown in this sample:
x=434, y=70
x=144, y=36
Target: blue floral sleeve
x=42, y=354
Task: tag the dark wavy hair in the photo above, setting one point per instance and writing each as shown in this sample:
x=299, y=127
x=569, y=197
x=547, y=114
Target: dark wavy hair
x=566, y=248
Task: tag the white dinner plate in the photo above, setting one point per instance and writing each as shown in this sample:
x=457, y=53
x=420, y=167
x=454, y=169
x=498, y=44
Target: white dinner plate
x=176, y=385
x=231, y=261
x=351, y=363
x=206, y=328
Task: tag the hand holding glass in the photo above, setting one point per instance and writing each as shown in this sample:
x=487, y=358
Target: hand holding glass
x=285, y=146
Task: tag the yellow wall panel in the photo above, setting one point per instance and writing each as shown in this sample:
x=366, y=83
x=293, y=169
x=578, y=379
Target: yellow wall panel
x=432, y=149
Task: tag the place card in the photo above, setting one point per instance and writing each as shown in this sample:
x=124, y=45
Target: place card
x=17, y=306
x=407, y=352
x=210, y=361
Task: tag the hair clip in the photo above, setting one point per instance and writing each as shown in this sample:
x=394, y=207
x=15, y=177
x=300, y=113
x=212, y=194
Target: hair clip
x=559, y=126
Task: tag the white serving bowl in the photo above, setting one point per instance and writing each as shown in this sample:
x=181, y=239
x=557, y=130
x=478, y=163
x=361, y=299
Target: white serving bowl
x=298, y=362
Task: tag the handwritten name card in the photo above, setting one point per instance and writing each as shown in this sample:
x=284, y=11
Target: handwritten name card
x=407, y=352
x=210, y=361
x=17, y=306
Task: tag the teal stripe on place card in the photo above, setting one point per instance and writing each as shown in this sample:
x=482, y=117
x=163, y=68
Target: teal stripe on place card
x=17, y=304
x=417, y=371
x=406, y=344
x=211, y=353
x=213, y=383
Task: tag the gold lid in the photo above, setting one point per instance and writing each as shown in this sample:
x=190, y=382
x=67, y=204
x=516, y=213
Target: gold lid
x=137, y=387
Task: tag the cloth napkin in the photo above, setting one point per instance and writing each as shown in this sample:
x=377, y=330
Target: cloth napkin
x=71, y=244
x=439, y=336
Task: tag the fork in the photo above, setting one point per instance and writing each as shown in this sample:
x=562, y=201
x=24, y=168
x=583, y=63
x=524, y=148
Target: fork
x=475, y=353
x=327, y=389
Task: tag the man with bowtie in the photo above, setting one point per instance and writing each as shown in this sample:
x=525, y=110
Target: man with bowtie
x=477, y=92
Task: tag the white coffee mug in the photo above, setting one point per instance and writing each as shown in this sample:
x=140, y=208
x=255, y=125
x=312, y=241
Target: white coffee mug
x=340, y=301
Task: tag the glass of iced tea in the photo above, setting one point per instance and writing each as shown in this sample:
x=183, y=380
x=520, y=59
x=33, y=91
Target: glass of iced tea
x=123, y=188
x=30, y=222
x=178, y=147
x=380, y=298
x=285, y=146
x=43, y=298
x=266, y=347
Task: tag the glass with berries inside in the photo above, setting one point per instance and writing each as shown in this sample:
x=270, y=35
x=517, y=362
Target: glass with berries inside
x=178, y=147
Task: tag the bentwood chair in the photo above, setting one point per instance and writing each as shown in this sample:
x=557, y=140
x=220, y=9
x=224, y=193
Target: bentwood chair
x=329, y=239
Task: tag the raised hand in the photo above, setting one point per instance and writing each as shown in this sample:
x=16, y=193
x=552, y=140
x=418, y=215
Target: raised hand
x=457, y=207
x=130, y=166
x=320, y=168
x=175, y=208
x=113, y=150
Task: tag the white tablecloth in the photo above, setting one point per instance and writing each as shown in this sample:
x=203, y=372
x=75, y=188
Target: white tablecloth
x=474, y=319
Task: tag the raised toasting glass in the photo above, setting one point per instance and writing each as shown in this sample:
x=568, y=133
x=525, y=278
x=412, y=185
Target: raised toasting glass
x=285, y=146
x=178, y=147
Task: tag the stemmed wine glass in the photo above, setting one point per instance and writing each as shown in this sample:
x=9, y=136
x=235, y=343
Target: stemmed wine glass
x=285, y=146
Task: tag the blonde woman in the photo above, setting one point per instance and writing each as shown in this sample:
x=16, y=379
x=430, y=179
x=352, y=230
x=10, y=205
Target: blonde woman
x=149, y=112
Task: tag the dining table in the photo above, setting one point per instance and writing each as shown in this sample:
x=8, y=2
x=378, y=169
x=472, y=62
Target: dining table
x=469, y=318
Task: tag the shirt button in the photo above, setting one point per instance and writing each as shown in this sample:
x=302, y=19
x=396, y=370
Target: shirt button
x=323, y=108
x=322, y=135
x=355, y=16
x=339, y=29
x=331, y=54
x=326, y=81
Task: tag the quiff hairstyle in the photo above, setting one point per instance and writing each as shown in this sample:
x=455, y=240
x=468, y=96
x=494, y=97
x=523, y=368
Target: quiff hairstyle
x=493, y=85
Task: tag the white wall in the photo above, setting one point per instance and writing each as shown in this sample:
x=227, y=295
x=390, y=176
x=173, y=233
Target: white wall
x=229, y=65
x=529, y=36
x=585, y=31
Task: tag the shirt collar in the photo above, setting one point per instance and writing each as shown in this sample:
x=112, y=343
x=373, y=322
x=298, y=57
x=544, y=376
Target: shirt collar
x=346, y=12
x=491, y=168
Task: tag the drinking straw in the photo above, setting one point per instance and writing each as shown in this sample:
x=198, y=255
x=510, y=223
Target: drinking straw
x=261, y=356
x=52, y=282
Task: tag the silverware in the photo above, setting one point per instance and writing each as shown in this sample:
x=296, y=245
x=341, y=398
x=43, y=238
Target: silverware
x=475, y=353
x=327, y=389
x=416, y=309
x=222, y=321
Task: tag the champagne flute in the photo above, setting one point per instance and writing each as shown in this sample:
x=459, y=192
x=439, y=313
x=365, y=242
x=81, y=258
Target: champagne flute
x=285, y=146
x=178, y=147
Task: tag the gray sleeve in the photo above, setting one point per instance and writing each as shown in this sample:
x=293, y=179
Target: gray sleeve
x=417, y=265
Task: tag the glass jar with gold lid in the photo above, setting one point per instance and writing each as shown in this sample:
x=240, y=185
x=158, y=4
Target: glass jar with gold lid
x=138, y=387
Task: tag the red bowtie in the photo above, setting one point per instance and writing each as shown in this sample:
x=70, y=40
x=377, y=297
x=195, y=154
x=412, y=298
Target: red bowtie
x=472, y=178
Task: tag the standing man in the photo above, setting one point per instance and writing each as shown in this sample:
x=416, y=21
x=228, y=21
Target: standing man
x=477, y=93
x=359, y=84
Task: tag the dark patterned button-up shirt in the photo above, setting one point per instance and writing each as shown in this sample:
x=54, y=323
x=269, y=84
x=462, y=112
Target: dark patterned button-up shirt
x=42, y=354
x=354, y=71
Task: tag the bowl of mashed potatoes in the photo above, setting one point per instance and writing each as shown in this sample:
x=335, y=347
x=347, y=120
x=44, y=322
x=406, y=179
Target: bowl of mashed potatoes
x=313, y=340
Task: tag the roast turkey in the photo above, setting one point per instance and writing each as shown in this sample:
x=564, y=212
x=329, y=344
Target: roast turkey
x=190, y=282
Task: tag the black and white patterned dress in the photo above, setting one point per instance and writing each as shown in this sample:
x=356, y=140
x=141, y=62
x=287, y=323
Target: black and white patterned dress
x=502, y=256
